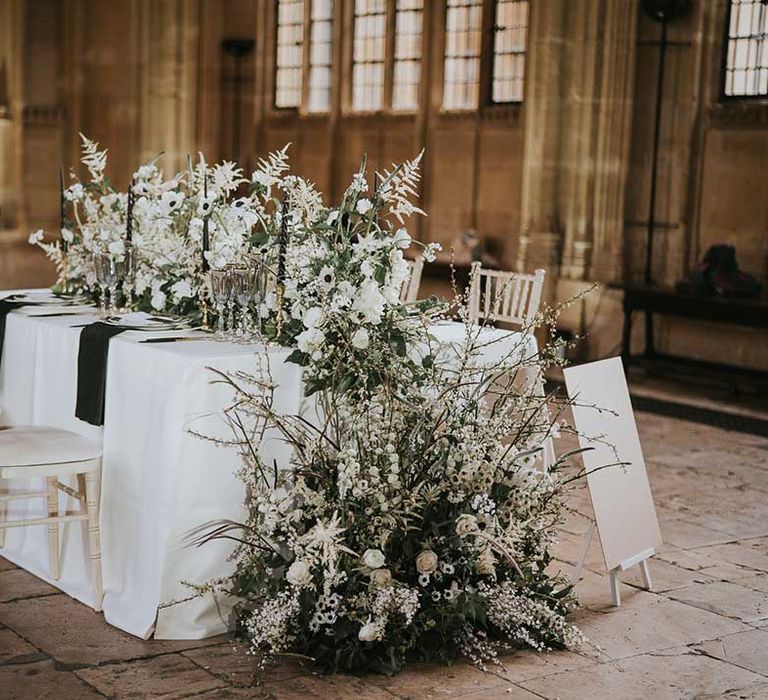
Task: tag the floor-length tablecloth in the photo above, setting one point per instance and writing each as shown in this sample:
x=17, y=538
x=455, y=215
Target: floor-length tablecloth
x=160, y=480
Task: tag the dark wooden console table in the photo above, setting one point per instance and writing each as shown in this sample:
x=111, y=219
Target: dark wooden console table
x=750, y=313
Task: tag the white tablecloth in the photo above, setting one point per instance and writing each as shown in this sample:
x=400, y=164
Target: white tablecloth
x=159, y=481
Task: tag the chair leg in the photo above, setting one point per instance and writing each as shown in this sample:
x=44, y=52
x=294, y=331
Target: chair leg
x=92, y=501
x=53, y=528
x=2, y=515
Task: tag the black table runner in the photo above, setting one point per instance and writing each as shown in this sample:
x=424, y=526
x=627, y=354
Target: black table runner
x=6, y=306
x=92, y=370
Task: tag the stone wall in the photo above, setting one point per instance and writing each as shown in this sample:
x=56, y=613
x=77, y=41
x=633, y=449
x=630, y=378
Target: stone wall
x=561, y=182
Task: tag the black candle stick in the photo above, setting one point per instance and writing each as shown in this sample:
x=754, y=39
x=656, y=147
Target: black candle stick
x=62, y=210
x=282, y=243
x=206, y=240
x=129, y=216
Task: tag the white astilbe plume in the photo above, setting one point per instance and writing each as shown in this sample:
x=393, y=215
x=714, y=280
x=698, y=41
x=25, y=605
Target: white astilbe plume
x=271, y=168
x=400, y=185
x=303, y=197
x=93, y=159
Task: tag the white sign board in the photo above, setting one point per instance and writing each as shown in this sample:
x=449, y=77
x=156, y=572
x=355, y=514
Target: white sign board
x=621, y=496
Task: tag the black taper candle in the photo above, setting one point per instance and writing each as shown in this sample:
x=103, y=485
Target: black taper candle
x=206, y=241
x=62, y=209
x=129, y=216
x=282, y=243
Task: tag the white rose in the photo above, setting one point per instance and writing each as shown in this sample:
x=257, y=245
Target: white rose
x=36, y=236
x=299, y=574
x=158, y=300
x=363, y=205
x=310, y=340
x=313, y=317
x=368, y=633
x=373, y=558
x=381, y=578
x=182, y=289
x=466, y=524
x=360, y=339
x=426, y=562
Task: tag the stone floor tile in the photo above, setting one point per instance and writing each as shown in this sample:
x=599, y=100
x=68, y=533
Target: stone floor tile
x=745, y=649
x=759, y=582
x=700, y=560
x=593, y=590
x=755, y=692
x=524, y=664
x=319, y=687
x=684, y=535
x=646, y=622
x=749, y=554
x=725, y=598
x=436, y=681
x=17, y=583
x=75, y=635
x=168, y=676
x=664, y=576
x=42, y=681
x=230, y=663
x=6, y=565
x=505, y=692
x=15, y=650
x=665, y=676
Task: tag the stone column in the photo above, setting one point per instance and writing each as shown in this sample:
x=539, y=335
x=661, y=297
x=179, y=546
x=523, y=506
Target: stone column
x=168, y=38
x=540, y=242
x=614, y=125
x=11, y=128
x=582, y=76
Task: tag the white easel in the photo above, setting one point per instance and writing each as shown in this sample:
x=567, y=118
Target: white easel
x=625, y=516
x=640, y=559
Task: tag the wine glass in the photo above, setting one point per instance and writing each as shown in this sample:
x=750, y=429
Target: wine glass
x=244, y=288
x=112, y=271
x=221, y=290
x=129, y=276
x=101, y=280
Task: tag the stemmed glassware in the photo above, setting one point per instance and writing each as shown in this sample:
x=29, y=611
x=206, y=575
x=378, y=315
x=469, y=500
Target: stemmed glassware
x=101, y=267
x=221, y=291
x=129, y=277
x=244, y=288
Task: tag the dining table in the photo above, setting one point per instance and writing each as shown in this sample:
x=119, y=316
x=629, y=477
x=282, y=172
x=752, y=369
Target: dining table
x=169, y=465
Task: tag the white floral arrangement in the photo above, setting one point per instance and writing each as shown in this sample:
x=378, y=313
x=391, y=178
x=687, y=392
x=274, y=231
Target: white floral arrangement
x=414, y=521
x=96, y=224
x=416, y=516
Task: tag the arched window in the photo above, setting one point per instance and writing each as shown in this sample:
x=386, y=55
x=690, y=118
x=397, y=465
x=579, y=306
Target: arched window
x=746, y=56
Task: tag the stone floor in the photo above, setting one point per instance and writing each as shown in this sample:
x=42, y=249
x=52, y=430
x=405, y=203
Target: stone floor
x=703, y=633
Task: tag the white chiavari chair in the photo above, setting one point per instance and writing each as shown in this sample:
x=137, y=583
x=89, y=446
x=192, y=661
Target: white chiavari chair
x=506, y=297
x=410, y=289
x=510, y=298
x=31, y=452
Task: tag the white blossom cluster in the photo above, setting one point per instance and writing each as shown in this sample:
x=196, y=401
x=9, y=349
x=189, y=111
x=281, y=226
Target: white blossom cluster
x=405, y=511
